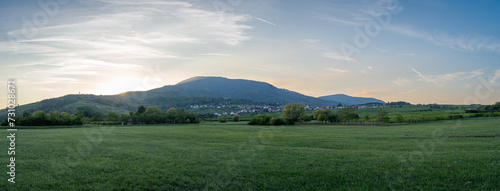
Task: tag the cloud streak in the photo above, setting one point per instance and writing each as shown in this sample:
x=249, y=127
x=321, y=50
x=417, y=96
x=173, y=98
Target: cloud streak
x=495, y=77
x=266, y=21
x=336, y=56
x=136, y=29
x=338, y=70
x=441, y=80
x=469, y=43
x=123, y=35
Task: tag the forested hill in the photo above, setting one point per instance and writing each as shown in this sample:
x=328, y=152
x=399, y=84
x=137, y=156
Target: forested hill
x=193, y=91
x=122, y=103
x=240, y=89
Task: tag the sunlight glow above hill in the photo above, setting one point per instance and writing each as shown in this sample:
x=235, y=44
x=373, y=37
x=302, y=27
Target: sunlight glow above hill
x=119, y=86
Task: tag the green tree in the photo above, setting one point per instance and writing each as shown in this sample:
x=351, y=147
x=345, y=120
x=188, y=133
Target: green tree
x=307, y=118
x=40, y=119
x=112, y=116
x=141, y=109
x=322, y=118
x=153, y=114
x=367, y=118
x=399, y=118
x=98, y=116
x=222, y=119
x=153, y=109
x=180, y=116
x=26, y=114
x=348, y=114
x=492, y=108
x=383, y=116
x=68, y=119
x=85, y=111
x=318, y=112
x=125, y=117
x=294, y=111
x=171, y=114
x=261, y=119
x=85, y=120
x=276, y=121
x=236, y=118
x=55, y=118
x=332, y=117
x=4, y=122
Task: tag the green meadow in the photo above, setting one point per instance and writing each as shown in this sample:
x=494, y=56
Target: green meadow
x=441, y=155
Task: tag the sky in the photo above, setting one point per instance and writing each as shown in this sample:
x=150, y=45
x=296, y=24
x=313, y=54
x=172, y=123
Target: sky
x=420, y=51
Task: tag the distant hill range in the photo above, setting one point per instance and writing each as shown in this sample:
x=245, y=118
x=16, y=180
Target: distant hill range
x=219, y=87
x=193, y=91
x=349, y=100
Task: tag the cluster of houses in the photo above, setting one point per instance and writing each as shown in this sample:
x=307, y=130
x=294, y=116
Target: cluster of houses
x=231, y=110
x=239, y=109
x=378, y=105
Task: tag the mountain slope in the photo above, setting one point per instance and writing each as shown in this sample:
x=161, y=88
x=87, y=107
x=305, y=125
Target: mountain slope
x=122, y=103
x=240, y=89
x=193, y=91
x=349, y=100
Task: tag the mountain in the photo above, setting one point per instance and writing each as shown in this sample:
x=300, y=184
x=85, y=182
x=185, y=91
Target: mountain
x=349, y=100
x=219, y=87
x=193, y=91
x=121, y=103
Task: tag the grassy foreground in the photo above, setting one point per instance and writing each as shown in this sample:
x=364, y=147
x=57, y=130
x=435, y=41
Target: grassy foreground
x=443, y=155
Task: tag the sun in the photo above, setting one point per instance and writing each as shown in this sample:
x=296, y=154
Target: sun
x=119, y=86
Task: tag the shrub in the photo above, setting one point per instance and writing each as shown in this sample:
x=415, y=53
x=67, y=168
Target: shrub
x=263, y=120
x=222, y=119
x=253, y=121
x=277, y=121
x=236, y=118
x=399, y=118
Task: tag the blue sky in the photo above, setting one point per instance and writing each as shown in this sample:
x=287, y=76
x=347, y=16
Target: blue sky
x=427, y=51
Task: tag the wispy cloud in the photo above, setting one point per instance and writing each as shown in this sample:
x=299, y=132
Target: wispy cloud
x=109, y=35
x=475, y=73
x=495, y=77
x=367, y=71
x=342, y=21
x=266, y=21
x=137, y=29
x=470, y=43
x=401, y=82
x=359, y=18
x=214, y=54
x=338, y=70
x=74, y=71
x=337, y=56
x=358, y=14
x=441, y=80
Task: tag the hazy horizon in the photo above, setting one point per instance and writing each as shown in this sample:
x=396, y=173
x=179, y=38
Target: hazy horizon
x=444, y=52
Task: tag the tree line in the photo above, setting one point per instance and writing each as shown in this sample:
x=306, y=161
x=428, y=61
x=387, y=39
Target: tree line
x=153, y=115
x=487, y=109
x=295, y=112
x=87, y=114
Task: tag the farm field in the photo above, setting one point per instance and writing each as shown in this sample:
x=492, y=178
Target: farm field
x=441, y=155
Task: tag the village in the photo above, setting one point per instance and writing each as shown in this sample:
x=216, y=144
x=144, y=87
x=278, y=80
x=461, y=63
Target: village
x=234, y=109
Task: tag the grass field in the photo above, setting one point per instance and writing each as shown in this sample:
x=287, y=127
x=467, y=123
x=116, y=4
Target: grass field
x=442, y=155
